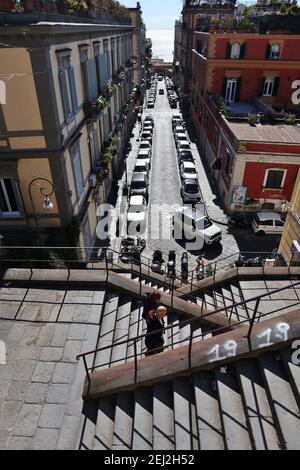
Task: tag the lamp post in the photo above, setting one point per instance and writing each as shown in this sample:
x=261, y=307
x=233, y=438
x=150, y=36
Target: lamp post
x=46, y=193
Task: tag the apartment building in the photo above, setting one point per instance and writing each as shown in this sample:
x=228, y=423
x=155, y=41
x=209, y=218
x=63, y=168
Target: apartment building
x=70, y=94
x=139, y=45
x=290, y=242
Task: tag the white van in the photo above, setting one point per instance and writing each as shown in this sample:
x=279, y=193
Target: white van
x=268, y=223
x=192, y=223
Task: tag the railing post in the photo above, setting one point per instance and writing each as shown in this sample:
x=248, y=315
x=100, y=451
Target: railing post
x=190, y=347
x=140, y=278
x=192, y=281
x=87, y=371
x=106, y=265
x=253, y=318
x=135, y=360
x=172, y=296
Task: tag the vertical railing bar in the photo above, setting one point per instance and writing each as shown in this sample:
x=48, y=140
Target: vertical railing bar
x=253, y=318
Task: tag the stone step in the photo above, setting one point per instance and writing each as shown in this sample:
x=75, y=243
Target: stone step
x=288, y=357
x=219, y=300
x=121, y=331
x=210, y=302
x=173, y=335
x=184, y=332
x=163, y=418
x=107, y=333
x=229, y=300
x=210, y=430
x=257, y=406
x=122, y=435
x=143, y=420
x=232, y=412
x=241, y=313
x=197, y=331
x=103, y=439
x=282, y=400
x=186, y=434
x=135, y=329
x=87, y=427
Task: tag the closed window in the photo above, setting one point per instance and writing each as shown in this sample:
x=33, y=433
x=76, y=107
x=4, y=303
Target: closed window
x=275, y=179
x=67, y=85
x=274, y=51
x=93, y=147
x=269, y=86
x=10, y=205
x=235, y=50
x=77, y=170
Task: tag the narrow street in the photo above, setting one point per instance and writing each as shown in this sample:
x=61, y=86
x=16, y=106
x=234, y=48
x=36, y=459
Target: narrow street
x=165, y=185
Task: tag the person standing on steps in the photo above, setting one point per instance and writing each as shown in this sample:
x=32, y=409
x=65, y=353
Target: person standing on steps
x=151, y=302
x=155, y=323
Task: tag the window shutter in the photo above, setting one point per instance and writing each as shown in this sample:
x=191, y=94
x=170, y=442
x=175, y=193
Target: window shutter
x=64, y=94
x=224, y=87
x=228, y=50
x=103, y=71
x=238, y=90
x=276, y=86
x=243, y=51
x=73, y=89
x=93, y=79
x=262, y=86
x=268, y=51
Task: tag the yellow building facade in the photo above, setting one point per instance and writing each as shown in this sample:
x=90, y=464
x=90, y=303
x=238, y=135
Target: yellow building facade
x=290, y=242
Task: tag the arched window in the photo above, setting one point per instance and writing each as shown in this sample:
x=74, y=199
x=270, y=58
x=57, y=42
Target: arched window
x=235, y=50
x=275, y=51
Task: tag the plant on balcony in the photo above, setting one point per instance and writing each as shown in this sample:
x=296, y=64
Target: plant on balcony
x=222, y=107
x=252, y=119
x=112, y=89
x=290, y=118
x=113, y=7
x=77, y=5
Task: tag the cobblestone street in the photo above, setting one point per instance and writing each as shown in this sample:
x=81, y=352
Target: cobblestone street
x=165, y=190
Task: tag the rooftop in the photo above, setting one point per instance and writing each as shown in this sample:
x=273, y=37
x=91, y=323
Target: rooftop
x=278, y=133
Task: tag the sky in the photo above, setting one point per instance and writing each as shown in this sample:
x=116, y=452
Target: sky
x=158, y=14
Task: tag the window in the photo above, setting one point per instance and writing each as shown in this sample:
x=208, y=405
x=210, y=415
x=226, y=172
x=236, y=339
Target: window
x=274, y=51
x=89, y=73
x=279, y=223
x=10, y=205
x=275, y=179
x=113, y=62
x=269, y=86
x=67, y=85
x=93, y=147
x=77, y=170
x=235, y=51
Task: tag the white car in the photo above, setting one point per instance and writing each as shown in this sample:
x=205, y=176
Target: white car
x=191, y=223
x=183, y=145
x=180, y=138
x=268, y=223
x=145, y=145
x=147, y=135
x=136, y=217
x=179, y=130
x=144, y=156
x=188, y=171
x=148, y=127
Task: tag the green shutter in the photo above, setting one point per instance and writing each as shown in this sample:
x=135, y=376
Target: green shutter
x=73, y=90
x=224, y=88
x=238, y=90
x=262, y=86
x=276, y=86
x=243, y=51
x=64, y=94
x=228, y=50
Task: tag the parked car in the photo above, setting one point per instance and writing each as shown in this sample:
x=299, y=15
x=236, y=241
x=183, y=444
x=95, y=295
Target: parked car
x=145, y=156
x=139, y=185
x=185, y=156
x=268, y=223
x=151, y=104
x=149, y=118
x=141, y=166
x=173, y=104
x=188, y=171
x=179, y=130
x=176, y=119
x=147, y=135
x=190, y=191
x=180, y=138
x=182, y=146
x=145, y=145
x=136, y=216
x=160, y=78
x=161, y=91
x=195, y=223
x=148, y=127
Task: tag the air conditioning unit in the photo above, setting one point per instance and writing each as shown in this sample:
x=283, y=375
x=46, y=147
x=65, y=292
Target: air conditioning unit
x=93, y=180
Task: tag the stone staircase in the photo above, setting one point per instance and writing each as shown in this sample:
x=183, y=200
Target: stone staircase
x=251, y=404
x=122, y=320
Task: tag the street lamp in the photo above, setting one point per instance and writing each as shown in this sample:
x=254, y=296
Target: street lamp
x=46, y=193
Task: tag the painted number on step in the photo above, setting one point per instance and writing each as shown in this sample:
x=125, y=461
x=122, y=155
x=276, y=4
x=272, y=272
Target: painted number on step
x=281, y=332
x=228, y=350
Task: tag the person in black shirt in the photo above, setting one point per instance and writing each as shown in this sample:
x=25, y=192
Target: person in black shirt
x=155, y=322
x=151, y=302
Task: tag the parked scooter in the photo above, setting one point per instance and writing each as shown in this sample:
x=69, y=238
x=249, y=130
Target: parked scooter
x=157, y=262
x=172, y=264
x=184, y=267
x=243, y=262
x=200, y=269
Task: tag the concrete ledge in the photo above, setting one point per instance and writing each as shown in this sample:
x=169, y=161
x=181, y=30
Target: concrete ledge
x=166, y=366
x=50, y=274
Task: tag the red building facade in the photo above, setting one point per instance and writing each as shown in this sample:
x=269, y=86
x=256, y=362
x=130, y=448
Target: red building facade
x=235, y=75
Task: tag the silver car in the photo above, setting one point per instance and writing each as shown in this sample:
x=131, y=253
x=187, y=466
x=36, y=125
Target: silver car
x=190, y=191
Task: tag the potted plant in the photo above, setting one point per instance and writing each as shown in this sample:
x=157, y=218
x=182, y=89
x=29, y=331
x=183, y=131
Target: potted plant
x=252, y=119
x=290, y=118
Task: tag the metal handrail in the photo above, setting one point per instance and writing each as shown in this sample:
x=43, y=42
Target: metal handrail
x=136, y=339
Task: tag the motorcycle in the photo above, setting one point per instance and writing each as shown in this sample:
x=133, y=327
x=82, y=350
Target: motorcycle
x=200, y=269
x=172, y=264
x=184, y=267
x=131, y=250
x=157, y=262
x=243, y=262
